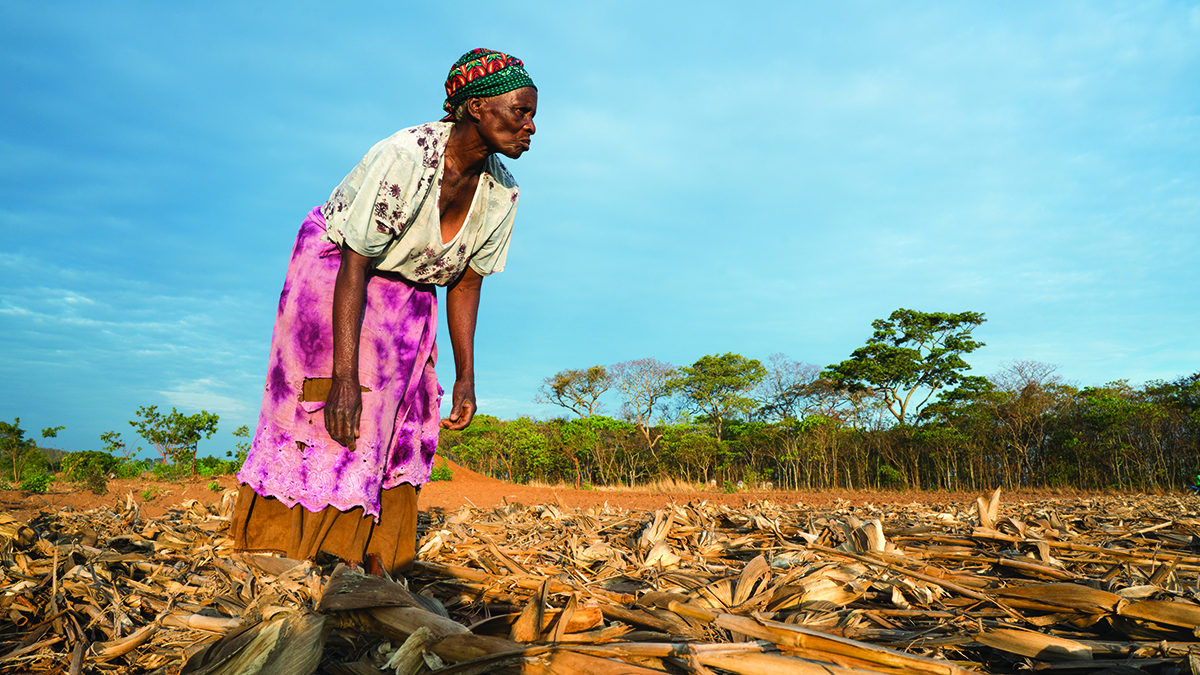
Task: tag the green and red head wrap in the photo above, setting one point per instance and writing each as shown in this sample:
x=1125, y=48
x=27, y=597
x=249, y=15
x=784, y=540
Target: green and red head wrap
x=483, y=72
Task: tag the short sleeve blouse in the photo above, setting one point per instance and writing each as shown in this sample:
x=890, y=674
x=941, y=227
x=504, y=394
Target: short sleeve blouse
x=387, y=209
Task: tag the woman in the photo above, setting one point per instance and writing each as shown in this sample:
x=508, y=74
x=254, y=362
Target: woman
x=349, y=420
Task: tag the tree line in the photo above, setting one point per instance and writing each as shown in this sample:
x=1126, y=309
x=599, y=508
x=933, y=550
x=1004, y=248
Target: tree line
x=901, y=412
x=175, y=436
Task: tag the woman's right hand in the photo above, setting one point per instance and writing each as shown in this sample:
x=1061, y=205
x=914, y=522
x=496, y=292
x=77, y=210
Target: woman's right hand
x=343, y=405
x=343, y=409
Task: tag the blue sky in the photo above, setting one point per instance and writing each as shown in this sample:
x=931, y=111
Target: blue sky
x=759, y=180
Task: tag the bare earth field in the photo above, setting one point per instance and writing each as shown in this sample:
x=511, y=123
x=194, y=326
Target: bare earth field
x=472, y=489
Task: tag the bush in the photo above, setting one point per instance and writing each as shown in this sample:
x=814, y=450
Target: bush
x=165, y=471
x=131, y=469
x=97, y=483
x=443, y=472
x=215, y=486
x=890, y=477
x=80, y=466
x=211, y=466
x=38, y=482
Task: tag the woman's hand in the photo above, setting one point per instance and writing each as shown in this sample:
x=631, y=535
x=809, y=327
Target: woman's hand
x=463, y=409
x=343, y=405
x=462, y=308
x=343, y=409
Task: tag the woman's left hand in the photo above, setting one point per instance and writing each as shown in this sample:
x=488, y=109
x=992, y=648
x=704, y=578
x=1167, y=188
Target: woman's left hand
x=462, y=308
x=464, y=406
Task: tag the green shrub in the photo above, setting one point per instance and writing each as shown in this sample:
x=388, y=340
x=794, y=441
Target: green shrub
x=215, y=486
x=38, y=482
x=890, y=477
x=5, y=485
x=80, y=466
x=149, y=494
x=443, y=472
x=131, y=469
x=211, y=466
x=165, y=471
x=729, y=488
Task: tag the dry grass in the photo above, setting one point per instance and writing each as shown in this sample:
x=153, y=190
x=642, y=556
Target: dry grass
x=662, y=485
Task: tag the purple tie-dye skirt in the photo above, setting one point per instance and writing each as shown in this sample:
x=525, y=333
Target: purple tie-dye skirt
x=292, y=457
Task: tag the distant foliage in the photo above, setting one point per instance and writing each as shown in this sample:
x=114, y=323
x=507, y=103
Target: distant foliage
x=903, y=412
x=132, y=469
x=243, y=448
x=79, y=466
x=38, y=482
x=167, y=472
x=443, y=472
x=211, y=466
x=17, y=451
x=175, y=435
x=889, y=477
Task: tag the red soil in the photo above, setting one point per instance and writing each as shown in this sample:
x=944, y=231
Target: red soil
x=468, y=487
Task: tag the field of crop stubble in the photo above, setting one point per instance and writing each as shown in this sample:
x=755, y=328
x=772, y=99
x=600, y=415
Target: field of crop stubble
x=537, y=580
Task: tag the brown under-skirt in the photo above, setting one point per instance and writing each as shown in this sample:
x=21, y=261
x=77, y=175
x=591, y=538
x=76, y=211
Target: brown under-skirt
x=266, y=524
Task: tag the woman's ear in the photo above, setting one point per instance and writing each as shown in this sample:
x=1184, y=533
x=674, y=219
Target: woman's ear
x=475, y=108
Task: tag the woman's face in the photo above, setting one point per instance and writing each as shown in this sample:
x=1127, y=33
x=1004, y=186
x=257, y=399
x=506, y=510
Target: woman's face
x=506, y=121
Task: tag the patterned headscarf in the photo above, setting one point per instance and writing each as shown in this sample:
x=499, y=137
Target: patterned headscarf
x=483, y=72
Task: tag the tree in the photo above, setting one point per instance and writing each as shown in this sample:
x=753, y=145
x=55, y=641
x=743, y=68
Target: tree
x=1029, y=395
x=643, y=384
x=717, y=386
x=910, y=353
x=576, y=390
x=115, y=446
x=175, y=436
x=54, y=456
x=243, y=446
x=16, y=449
x=786, y=391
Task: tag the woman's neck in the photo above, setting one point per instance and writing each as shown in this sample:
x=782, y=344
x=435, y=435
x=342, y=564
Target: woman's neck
x=465, y=150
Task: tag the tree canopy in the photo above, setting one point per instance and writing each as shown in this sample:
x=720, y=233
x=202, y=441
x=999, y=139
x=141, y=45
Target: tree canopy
x=910, y=356
x=15, y=448
x=576, y=390
x=176, y=435
x=718, y=386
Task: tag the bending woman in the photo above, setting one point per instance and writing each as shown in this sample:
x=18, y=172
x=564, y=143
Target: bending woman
x=349, y=419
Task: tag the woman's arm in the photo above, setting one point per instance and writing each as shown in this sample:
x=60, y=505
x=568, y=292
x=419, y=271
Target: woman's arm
x=343, y=406
x=462, y=309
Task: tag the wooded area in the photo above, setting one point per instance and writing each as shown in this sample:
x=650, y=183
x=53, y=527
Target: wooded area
x=901, y=412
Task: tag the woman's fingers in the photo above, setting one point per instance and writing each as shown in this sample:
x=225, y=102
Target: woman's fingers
x=461, y=416
x=343, y=411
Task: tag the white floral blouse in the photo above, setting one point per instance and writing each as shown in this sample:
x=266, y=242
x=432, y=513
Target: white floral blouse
x=387, y=209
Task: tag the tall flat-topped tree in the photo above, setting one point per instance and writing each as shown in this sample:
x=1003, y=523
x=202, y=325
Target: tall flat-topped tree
x=576, y=390
x=909, y=358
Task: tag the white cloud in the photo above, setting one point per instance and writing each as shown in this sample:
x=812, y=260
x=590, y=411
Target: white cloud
x=203, y=395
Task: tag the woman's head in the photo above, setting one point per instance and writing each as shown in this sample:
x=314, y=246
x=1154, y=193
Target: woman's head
x=492, y=90
x=482, y=73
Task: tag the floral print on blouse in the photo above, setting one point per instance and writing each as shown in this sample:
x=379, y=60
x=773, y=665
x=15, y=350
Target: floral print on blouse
x=386, y=209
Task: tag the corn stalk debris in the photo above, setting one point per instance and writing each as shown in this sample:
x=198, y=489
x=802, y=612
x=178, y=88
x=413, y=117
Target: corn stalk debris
x=1103, y=585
